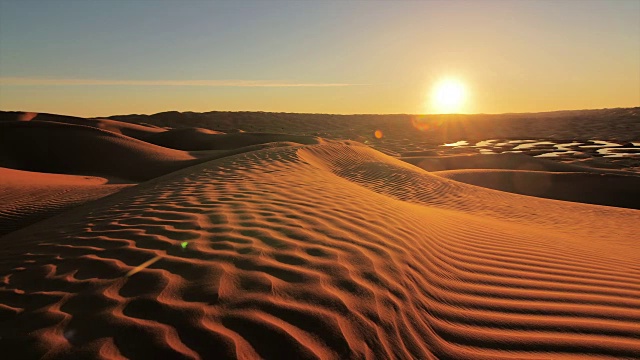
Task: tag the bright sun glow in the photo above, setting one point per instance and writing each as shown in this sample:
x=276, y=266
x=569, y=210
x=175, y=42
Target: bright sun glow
x=448, y=97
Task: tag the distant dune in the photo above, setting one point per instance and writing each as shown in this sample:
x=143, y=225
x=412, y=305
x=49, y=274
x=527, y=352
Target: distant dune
x=612, y=124
x=289, y=236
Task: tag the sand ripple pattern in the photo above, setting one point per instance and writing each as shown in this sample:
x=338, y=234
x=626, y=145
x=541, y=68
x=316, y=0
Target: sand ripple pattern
x=322, y=252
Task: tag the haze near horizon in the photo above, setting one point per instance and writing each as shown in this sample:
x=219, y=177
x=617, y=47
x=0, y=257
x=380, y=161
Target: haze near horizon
x=105, y=58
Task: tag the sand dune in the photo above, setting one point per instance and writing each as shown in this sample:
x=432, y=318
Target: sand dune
x=497, y=161
x=195, y=139
x=123, y=128
x=97, y=152
x=28, y=197
x=603, y=189
x=74, y=149
x=526, y=175
x=188, y=139
x=330, y=251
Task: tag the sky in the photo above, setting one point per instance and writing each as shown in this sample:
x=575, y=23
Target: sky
x=100, y=58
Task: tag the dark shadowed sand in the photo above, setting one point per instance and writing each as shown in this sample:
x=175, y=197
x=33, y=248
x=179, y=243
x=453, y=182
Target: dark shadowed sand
x=288, y=236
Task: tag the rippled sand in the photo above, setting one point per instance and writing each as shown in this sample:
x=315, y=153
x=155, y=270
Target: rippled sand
x=302, y=247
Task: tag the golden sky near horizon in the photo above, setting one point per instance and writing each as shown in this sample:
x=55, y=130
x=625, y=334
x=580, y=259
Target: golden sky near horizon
x=99, y=59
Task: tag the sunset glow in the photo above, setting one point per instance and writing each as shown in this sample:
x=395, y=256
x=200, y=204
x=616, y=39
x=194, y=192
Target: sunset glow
x=448, y=97
x=101, y=58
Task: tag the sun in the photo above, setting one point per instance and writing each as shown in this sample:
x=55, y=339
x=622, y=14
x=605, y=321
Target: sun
x=448, y=96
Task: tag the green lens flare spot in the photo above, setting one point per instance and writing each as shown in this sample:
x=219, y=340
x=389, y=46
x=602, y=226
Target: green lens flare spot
x=184, y=244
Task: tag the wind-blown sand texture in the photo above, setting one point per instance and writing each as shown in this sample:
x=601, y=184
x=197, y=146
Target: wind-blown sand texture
x=28, y=197
x=301, y=247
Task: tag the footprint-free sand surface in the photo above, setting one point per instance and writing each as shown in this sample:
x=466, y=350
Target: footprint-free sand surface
x=127, y=241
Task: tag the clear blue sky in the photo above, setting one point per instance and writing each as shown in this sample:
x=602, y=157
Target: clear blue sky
x=110, y=57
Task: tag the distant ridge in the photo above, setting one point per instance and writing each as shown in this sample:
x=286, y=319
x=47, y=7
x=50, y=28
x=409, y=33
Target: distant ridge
x=621, y=124
x=618, y=124
x=576, y=111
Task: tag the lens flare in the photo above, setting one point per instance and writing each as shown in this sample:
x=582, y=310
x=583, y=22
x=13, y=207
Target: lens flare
x=143, y=266
x=424, y=123
x=27, y=116
x=378, y=134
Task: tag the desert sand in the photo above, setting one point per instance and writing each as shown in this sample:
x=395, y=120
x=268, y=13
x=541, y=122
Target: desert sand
x=282, y=236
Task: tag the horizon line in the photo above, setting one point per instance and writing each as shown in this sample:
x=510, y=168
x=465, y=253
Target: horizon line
x=318, y=113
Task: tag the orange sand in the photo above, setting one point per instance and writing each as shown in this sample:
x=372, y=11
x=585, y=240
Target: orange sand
x=305, y=248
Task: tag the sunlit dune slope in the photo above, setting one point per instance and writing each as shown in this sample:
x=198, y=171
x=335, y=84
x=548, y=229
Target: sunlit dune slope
x=324, y=251
x=28, y=197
